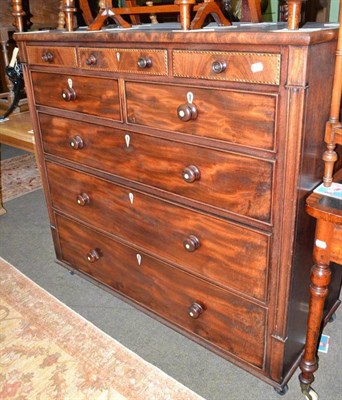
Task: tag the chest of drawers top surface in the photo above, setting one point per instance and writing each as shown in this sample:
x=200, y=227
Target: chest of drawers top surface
x=173, y=160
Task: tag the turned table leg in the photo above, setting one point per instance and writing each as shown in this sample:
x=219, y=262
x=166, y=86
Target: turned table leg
x=320, y=279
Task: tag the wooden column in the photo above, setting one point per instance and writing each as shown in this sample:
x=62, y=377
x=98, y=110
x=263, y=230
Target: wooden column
x=185, y=7
x=330, y=155
x=18, y=14
x=69, y=10
x=61, y=16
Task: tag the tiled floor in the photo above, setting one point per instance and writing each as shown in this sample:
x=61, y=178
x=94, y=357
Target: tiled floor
x=25, y=242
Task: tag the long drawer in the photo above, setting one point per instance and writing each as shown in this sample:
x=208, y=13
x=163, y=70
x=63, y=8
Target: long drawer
x=94, y=96
x=228, y=181
x=211, y=113
x=223, y=252
x=228, y=322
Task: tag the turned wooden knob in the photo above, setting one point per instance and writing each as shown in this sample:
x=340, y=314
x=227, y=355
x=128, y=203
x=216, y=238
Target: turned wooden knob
x=219, y=66
x=47, y=57
x=144, y=62
x=195, y=310
x=69, y=94
x=191, y=174
x=76, y=143
x=91, y=60
x=82, y=199
x=191, y=243
x=93, y=255
x=186, y=112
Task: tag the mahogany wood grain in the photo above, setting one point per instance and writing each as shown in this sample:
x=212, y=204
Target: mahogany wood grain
x=221, y=113
x=272, y=36
x=96, y=96
x=228, y=254
x=241, y=151
x=240, y=67
x=229, y=322
x=124, y=60
x=52, y=56
x=229, y=181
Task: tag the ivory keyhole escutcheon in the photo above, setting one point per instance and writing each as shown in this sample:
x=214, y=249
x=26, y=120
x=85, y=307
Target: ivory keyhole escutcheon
x=139, y=259
x=127, y=140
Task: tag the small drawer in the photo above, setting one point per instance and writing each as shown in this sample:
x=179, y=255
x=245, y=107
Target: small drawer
x=196, y=242
x=137, y=61
x=89, y=95
x=229, y=322
x=52, y=56
x=211, y=113
x=263, y=68
x=228, y=181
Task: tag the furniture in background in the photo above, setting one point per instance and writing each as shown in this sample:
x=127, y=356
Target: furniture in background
x=327, y=211
x=18, y=15
x=16, y=132
x=157, y=180
x=327, y=249
x=6, y=31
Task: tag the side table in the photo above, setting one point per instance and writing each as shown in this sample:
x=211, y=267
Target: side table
x=327, y=249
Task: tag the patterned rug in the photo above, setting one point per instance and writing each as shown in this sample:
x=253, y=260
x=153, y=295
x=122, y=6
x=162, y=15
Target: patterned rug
x=19, y=175
x=49, y=352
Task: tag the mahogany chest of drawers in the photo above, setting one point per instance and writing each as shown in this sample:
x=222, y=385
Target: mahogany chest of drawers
x=175, y=168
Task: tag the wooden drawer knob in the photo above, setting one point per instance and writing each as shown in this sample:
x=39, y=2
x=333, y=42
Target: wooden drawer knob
x=76, y=143
x=91, y=60
x=191, y=174
x=47, y=57
x=69, y=94
x=144, y=62
x=191, y=243
x=93, y=255
x=195, y=310
x=187, y=111
x=219, y=66
x=83, y=199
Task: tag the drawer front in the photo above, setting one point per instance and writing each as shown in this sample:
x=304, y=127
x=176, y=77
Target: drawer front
x=206, y=246
x=239, y=184
x=244, y=118
x=247, y=67
x=229, y=322
x=94, y=96
x=137, y=61
x=52, y=56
